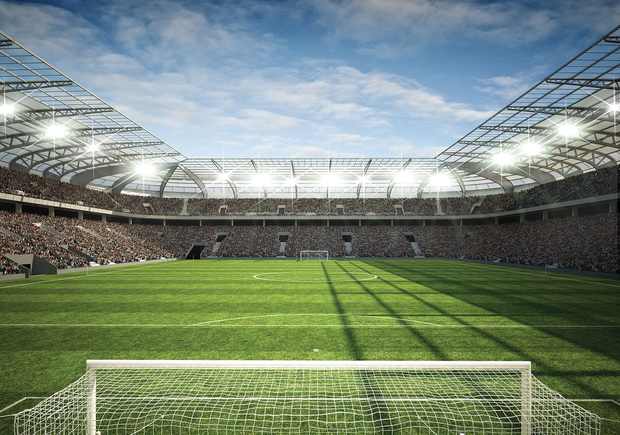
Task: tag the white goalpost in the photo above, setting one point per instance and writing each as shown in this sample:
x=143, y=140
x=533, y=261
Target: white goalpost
x=306, y=397
x=313, y=255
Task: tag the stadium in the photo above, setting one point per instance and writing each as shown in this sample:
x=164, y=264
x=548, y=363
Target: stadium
x=475, y=291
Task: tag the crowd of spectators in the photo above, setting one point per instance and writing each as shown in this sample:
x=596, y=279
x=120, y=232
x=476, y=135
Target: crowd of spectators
x=539, y=243
x=586, y=242
x=28, y=238
x=591, y=184
x=601, y=182
x=458, y=205
x=44, y=236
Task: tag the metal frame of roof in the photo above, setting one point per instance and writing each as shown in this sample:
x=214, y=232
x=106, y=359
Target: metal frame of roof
x=102, y=146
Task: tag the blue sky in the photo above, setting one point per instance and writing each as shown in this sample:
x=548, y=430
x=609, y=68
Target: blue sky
x=308, y=78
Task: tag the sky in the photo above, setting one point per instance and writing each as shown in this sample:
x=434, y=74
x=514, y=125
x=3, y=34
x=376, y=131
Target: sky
x=308, y=78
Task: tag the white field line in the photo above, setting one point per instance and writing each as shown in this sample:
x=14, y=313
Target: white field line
x=414, y=325
x=316, y=315
x=18, y=402
x=509, y=269
x=595, y=400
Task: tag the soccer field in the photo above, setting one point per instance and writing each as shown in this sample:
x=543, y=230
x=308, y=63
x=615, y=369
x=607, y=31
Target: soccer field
x=567, y=326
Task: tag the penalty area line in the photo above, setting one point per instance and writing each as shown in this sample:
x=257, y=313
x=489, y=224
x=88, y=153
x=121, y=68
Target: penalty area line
x=509, y=269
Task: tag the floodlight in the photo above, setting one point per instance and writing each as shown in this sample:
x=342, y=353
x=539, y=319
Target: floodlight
x=7, y=109
x=291, y=181
x=402, y=177
x=261, y=179
x=93, y=148
x=568, y=130
x=223, y=177
x=56, y=131
x=363, y=179
x=502, y=159
x=439, y=179
x=144, y=168
x=615, y=107
x=531, y=148
x=331, y=179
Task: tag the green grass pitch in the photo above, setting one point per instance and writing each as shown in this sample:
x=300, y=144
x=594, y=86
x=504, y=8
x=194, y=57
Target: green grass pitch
x=567, y=326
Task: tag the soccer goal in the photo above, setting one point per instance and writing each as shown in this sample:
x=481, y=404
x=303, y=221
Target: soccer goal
x=313, y=255
x=306, y=397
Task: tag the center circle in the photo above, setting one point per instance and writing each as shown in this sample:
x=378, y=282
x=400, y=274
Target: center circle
x=350, y=277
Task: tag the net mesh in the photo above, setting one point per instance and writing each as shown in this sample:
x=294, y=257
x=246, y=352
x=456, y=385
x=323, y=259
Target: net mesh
x=313, y=255
x=304, y=401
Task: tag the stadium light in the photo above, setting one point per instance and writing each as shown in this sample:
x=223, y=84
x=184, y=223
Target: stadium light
x=402, y=177
x=7, y=109
x=291, y=181
x=568, y=130
x=93, y=148
x=331, y=179
x=56, y=131
x=261, y=179
x=439, y=179
x=531, y=148
x=363, y=179
x=502, y=159
x=223, y=177
x=615, y=107
x=144, y=169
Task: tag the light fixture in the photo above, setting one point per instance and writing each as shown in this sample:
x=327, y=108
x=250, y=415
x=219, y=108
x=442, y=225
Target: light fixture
x=331, y=179
x=56, y=131
x=291, y=181
x=261, y=179
x=568, y=130
x=7, y=109
x=531, y=148
x=144, y=168
x=402, y=177
x=502, y=159
x=439, y=179
x=615, y=107
x=93, y=148
x=223, y=177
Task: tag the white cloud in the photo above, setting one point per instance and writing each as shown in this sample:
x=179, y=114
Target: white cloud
x=387, y=28
x=506, y=87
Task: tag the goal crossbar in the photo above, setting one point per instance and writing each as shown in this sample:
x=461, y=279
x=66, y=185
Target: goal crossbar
x=316, y=365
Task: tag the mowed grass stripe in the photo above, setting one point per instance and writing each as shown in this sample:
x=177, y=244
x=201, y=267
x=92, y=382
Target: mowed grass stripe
x=566, y=328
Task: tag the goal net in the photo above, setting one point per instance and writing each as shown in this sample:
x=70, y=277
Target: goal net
x=313, y=255
x=306, y=397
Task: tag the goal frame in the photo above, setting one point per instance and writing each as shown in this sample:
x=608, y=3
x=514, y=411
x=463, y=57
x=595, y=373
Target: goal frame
x=310, y=251
x=523, y=366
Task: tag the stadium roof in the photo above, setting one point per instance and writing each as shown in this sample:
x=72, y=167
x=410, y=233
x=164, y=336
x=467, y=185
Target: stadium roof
x=563, y=126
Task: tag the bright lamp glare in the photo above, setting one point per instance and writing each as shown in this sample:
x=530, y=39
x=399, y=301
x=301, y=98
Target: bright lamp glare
x=439, y=180
x=502, y=159
x=291, y=181
x=223, y=177
x=531, y=148
x=260, y=179
x=331, y=180
x=568, y=130
x=7, y=109
x=144, y=169
x=402, y=177
x=93, y=148
x=56, y=131
x=614, y=107
x=364, y=179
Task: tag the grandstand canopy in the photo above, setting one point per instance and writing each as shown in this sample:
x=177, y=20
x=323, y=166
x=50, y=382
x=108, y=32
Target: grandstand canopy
x=563, y=126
